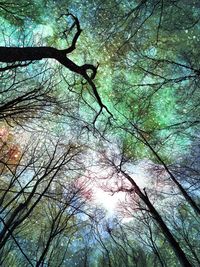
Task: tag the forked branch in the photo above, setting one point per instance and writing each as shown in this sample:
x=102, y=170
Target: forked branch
x=16, y=55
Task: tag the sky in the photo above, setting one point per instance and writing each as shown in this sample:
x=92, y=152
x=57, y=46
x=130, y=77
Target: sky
x=148, y=78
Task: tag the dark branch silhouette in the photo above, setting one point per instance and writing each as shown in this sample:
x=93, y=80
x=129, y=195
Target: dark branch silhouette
x=15, y=55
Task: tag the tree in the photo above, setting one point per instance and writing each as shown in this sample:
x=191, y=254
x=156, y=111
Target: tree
x=30, y=54
x=37, y=177
x=143, y=196
x=131, y=77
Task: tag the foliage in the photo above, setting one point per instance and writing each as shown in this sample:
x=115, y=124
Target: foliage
x=125, y=94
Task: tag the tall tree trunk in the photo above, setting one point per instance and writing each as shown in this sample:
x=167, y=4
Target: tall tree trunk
x=156, y=216
x=188, y=198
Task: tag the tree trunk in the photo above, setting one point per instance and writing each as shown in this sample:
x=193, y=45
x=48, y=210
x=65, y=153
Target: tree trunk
x=29, y=54
x=21, y=54
x=156, y=216
x=188, y=198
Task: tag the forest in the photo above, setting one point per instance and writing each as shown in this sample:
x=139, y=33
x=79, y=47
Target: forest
x=99, y=130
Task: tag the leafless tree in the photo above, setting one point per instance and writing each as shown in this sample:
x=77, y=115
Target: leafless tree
x=145, y=204
x=34, y=179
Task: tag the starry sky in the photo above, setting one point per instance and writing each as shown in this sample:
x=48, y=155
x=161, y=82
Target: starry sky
x=147, y=59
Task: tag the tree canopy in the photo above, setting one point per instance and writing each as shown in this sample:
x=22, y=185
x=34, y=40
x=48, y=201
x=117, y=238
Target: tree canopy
x=99, y=98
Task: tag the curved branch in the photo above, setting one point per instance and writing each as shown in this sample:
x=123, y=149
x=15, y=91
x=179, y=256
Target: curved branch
x=91, y=67
x=21, y=54
x=77, y=34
